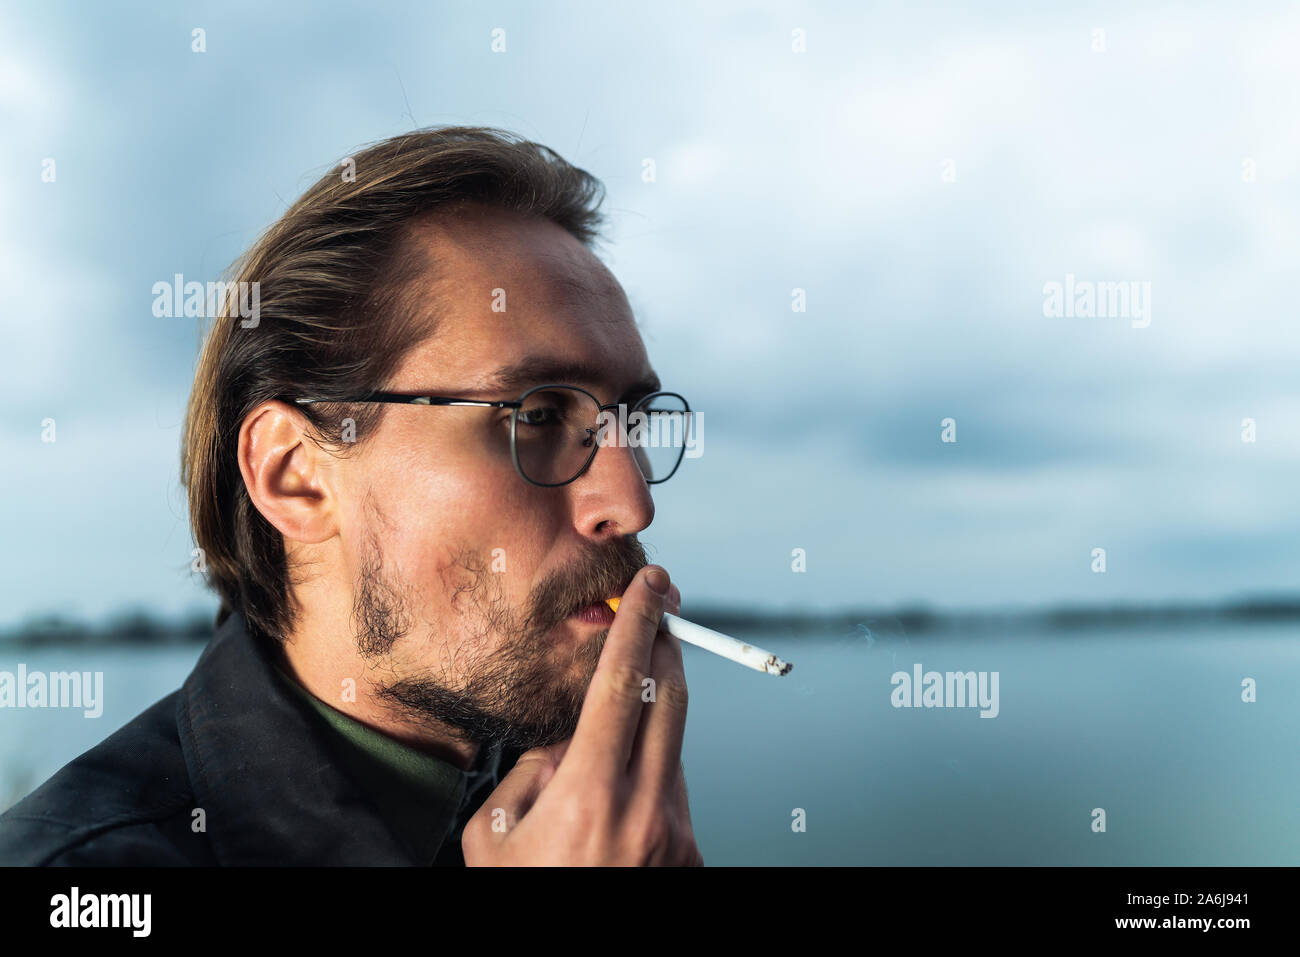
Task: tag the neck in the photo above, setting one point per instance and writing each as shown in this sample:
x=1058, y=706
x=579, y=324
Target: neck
x=326, y=675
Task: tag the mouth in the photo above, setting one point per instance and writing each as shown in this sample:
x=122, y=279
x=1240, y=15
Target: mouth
x=597, y=612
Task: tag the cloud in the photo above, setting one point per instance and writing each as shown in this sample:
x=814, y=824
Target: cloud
x=821, y=171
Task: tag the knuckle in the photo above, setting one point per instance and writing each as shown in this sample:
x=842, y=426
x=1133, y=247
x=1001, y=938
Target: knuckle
x=579, y=815
x=590, y=809
x=471, y=840
x=652, y=833
x=668, y=650
x=673, y=693
x=624, y=680
x=685, y=852
x=651, y=614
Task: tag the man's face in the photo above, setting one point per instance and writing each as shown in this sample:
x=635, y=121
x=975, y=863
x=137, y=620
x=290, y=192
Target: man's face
x=467, y=580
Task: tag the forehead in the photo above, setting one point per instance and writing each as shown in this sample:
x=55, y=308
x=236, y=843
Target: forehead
x=518, y=301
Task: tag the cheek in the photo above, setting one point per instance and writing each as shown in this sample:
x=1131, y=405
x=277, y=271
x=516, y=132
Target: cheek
x=441, y=515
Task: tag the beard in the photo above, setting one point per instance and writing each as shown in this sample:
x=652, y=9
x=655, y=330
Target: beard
x=507, y=684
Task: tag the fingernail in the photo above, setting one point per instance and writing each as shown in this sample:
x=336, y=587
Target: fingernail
x=657, y=579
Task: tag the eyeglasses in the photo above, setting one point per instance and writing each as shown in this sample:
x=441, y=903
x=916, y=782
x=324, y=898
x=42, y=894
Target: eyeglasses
x=555, y=429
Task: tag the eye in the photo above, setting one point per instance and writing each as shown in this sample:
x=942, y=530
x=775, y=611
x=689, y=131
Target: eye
x=549, y=410
x=541, y=416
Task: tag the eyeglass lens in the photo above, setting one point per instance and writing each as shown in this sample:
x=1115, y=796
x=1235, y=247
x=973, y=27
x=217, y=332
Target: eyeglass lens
x=558, y=429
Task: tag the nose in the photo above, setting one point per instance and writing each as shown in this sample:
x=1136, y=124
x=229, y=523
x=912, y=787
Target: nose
x=611, y=498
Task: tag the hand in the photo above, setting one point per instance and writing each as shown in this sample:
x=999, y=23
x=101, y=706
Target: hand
x=615, y=792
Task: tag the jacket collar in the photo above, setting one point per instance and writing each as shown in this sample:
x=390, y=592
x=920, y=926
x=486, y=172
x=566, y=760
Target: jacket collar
x=271, y=790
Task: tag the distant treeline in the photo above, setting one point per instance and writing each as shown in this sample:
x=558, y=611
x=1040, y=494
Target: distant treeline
x=919, y=620
x=142, y=628
x=135, y=628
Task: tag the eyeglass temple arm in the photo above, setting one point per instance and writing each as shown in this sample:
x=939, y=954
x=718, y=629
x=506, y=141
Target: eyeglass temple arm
x=394, y=398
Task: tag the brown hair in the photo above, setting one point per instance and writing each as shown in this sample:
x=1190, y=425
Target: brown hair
x=334, y=319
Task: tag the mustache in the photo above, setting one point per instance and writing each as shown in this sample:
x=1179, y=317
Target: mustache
x=587, y=581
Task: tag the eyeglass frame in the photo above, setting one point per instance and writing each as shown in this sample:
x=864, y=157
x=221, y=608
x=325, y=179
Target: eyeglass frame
x=396, y=398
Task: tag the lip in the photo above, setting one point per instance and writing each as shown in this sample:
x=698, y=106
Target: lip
x=597, y=614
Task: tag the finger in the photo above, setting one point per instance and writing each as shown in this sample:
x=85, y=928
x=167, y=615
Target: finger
x=684, y=816
x=664, y=662
x=518, y=790
x=560, y=750
x=657, y=753
x=611, y=711
x=673, y=602
x=682, y=851
x=683, y=803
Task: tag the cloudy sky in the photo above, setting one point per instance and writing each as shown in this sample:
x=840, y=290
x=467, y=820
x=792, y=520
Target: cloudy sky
x=921, y=171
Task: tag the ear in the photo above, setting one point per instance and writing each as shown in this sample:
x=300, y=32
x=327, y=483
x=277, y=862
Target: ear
x=287, y=475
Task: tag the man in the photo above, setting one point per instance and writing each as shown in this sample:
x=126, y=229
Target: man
x=401, y=493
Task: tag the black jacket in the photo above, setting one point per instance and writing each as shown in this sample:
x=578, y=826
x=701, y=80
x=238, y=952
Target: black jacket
x=238, y=744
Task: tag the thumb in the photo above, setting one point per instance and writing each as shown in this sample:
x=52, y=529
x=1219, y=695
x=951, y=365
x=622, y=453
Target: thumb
x=518, y=790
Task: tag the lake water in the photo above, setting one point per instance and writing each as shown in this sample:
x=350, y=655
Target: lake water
x=1148, y=725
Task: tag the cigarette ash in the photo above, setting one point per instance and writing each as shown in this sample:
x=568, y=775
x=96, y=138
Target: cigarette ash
x=775, y=666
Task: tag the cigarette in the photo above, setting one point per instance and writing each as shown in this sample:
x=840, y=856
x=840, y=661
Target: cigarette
x=719, y=644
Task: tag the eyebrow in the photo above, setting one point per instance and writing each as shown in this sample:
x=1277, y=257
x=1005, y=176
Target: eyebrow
x=536, y=370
